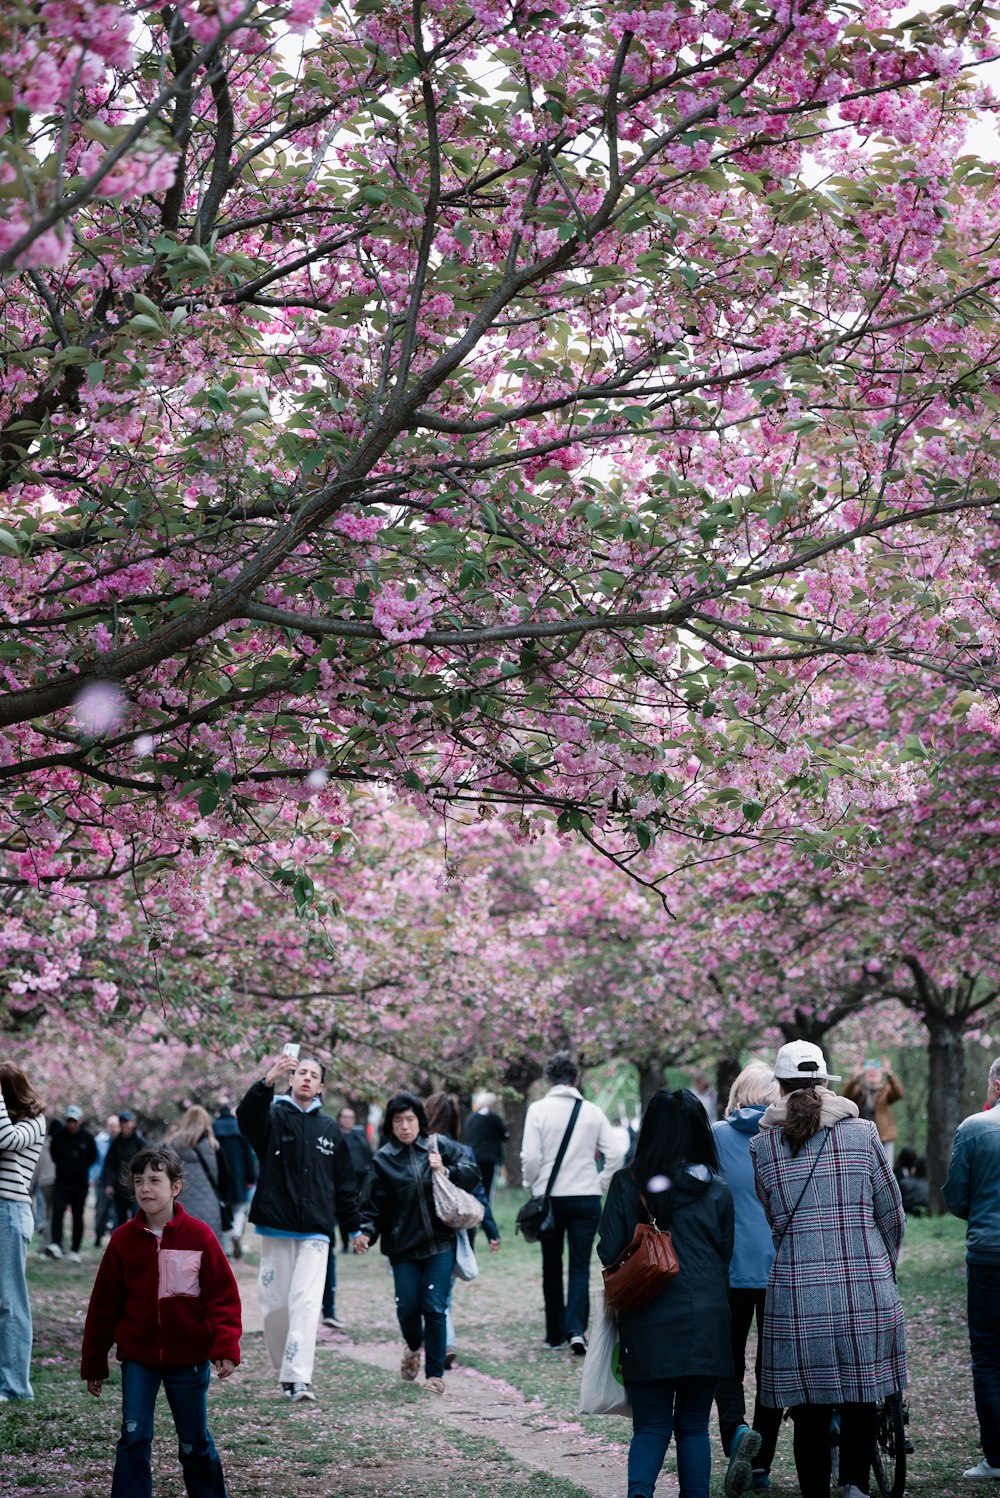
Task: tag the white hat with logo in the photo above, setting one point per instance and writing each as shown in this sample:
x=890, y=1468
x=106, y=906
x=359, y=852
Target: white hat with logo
x=801, y=1061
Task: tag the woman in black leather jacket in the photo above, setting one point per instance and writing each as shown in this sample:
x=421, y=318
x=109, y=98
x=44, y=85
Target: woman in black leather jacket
x=398, y=1206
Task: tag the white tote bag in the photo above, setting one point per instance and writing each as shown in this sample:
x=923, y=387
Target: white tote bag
x=466, y=1267
x=602, y=1391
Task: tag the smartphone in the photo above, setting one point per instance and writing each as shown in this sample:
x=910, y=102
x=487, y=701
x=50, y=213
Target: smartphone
x=292, y=1049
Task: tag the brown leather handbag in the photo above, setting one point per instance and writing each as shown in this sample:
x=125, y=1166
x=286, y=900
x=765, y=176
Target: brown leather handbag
x=642, y=1269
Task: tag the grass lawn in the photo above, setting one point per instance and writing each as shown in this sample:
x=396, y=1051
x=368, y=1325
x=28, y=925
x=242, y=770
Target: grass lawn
x=369, y=1435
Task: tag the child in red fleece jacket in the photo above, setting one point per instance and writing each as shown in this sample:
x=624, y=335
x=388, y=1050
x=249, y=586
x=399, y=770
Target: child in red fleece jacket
x=166, y=1295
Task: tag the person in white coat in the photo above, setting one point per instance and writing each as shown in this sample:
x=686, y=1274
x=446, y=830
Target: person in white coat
x=576, y=1194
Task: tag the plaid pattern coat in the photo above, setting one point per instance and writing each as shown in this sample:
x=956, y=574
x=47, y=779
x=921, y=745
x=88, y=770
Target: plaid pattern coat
x=833, y=1323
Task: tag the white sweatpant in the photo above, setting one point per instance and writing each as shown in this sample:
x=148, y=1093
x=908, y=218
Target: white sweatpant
x=292, y=1276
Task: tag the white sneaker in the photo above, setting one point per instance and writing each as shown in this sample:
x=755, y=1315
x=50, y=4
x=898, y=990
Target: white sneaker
x=52, y=1251
x=73, y=1257
x=335, y=1322
x=300, y=1392
x=850, y=1491
x=982, y=1472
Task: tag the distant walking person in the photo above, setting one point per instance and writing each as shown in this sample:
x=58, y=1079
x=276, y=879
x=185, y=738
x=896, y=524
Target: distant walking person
x=126, y=1143
x=360, y=1151
x=307, y=1183
x=487, y=1134
x=166, y=1295
x=833, y=1323
x=241, y=1164
x=876, y=1092
x=398, y=1206
x=972, y=1191
x=576, y=1194
x=677, y=1346
x=22, y=1133
x=206, y=1174
x=102, y=1203
x=750, y=1449
x=74, y=1151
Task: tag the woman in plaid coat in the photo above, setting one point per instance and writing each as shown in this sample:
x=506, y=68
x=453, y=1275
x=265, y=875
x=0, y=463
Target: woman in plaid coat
x=833, y=1322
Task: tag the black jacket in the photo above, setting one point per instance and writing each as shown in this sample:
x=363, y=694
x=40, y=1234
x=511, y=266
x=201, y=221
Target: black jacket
x=72, y=1156
x=398, y=1202
x=360, y=1150
x=486, y=1132
x=307, y=1181
x=239, y=1157
x=120, y=1152
x=684, y=1331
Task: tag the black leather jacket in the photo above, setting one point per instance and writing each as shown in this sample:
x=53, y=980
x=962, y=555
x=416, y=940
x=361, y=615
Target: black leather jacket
x=398, y=1201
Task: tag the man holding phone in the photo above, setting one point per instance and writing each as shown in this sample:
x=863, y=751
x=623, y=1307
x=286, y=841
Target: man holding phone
x=307, y=1183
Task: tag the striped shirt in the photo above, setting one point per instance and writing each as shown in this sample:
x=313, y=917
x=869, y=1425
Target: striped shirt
x=20, y=1146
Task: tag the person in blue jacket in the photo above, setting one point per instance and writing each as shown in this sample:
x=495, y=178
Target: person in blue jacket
x=750, y=1449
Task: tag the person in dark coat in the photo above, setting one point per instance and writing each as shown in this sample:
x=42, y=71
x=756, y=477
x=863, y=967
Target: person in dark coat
x=360, y=1150
x=74, y=1151
x=750, y=1449
x=676, y=1348
x=398, y=1205
x=833, y=1322
x=487, y=1133
x=241, y=1163
x=126, y=1143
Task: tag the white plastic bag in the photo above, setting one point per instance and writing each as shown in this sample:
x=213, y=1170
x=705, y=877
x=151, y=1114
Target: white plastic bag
x=466, y=1267
x=602, y=1391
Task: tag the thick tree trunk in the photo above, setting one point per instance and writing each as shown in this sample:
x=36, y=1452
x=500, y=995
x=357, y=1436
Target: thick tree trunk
x=727, y=1069
x=651, y=1079
x=519, y=1075
x=804, y=1026
x=514, y=1110
x=945, y=1106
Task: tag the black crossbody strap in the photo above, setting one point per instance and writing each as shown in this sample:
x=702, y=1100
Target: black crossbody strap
x=564, y=1145
x=788, y=1220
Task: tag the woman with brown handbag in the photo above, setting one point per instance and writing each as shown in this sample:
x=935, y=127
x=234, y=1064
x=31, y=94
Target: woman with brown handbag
x=676, y=1347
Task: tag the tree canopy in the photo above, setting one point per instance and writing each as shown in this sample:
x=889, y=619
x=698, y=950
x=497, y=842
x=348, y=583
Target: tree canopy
x=523, y=405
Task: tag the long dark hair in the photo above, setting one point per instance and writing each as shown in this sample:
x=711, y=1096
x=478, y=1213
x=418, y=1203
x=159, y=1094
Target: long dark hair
x=443, y=1116
x=802, y=1117
x=21, y=1098
x=675, y=1132
x=402, y=1102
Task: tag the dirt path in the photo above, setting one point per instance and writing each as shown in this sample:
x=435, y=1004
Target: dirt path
x=492, y=1409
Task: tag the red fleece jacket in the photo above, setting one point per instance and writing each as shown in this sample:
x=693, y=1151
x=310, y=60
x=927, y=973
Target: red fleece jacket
x=167, y=1302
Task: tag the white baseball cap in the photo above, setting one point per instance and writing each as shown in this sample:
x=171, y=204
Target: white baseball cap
x=801, y=1061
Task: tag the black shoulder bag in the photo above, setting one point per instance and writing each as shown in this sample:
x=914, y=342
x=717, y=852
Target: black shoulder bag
x=536, y=1220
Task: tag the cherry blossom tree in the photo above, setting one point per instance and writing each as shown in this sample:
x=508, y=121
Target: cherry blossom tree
x=519, y=404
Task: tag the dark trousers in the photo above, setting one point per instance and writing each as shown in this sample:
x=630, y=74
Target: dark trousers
x=744, y=1307
x=576, y=1225
x=858, y=1429
x=103, y=1207
x=984, y=1341
x=330, y=1287
x=74, y=1197
x=422, y=1289
x=187, y=1390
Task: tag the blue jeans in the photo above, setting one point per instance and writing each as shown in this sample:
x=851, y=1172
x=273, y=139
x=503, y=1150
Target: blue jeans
x=422, y=1290
x=17, y=1223
x=187, y=1390
x=984, y=1340
x=330, y=1287
x=665, y=1407
x=576, y=1222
